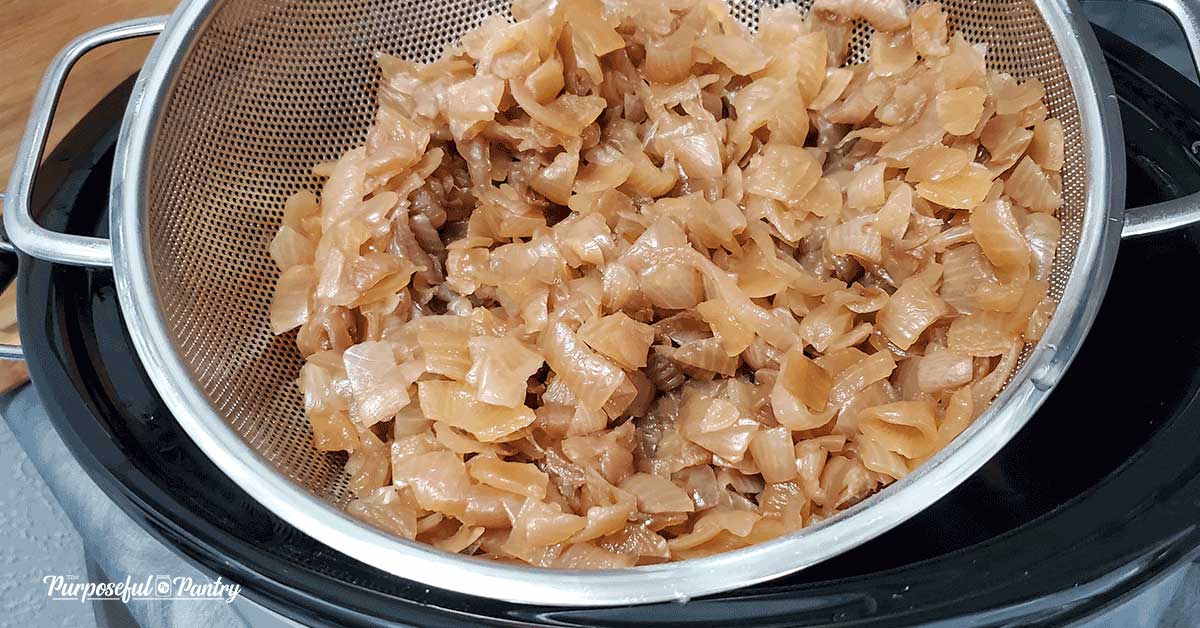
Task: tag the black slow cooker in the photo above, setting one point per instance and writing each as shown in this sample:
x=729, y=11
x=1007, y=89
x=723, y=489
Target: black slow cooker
x=1095, y=499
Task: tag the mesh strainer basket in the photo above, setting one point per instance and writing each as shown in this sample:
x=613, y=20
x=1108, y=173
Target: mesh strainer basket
x=240, y=98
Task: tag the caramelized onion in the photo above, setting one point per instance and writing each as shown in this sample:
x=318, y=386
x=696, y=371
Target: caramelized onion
x=620, y=282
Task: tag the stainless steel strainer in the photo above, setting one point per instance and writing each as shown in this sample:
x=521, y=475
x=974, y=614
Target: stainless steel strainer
x=240, y=98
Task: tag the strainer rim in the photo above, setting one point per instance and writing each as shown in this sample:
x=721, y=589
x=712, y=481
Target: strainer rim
x=1100, y=127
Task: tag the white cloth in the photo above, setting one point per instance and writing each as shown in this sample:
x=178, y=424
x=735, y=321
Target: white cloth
x=111, y=539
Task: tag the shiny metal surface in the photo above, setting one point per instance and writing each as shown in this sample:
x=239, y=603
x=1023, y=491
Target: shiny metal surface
x=240, y=98
x=8, y=352
x=1185, y=210
x=24, y=232
x=5, y=245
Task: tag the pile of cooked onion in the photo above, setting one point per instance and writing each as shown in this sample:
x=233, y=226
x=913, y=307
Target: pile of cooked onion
x=622, y=283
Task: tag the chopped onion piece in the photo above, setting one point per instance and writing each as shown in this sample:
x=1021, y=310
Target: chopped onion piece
x=871, y=369
x=885, y=15
x=891, y=53
x=290, y=306
x=514, y=477
x=657, y=494
x=456, y=405
x=998, y=234
x=1042, y=232
x=1030, y=186
x=835, y=83
x=712, y=524
x=556, y=180
x=912, y=309
x=620, y=338
x=471, y=103
x=944, y=369
x=784, y=173
x=387, y=510
x=500, y=368
x=965, y=190
x=706, y=354
x=438, y=480
x=960, y=109
x=733, y=336
x=1046, y=146
x=908, y=428
x=866, y=187
x=591, y=377
x=982, y=334
x=937, y=163
x=736, y=53
x=773, y=452
x=380, y=386
x=930, y=31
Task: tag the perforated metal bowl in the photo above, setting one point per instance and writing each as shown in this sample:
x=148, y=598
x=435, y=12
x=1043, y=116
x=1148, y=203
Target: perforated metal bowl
x=240, y=98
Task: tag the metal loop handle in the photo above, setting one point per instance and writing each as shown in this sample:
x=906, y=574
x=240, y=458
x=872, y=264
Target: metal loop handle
x=8, y=352
x=5, y=245
x=23, y=231
x=1185, y=210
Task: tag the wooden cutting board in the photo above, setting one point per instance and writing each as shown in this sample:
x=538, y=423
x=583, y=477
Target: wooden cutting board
x=31, y=33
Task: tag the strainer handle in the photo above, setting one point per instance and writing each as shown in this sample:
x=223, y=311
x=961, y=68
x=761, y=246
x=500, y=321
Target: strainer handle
x=1185, y=210
x=8, y=273
x=23, y=231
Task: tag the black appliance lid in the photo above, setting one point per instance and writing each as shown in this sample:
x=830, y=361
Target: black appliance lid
x=1096, y=497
